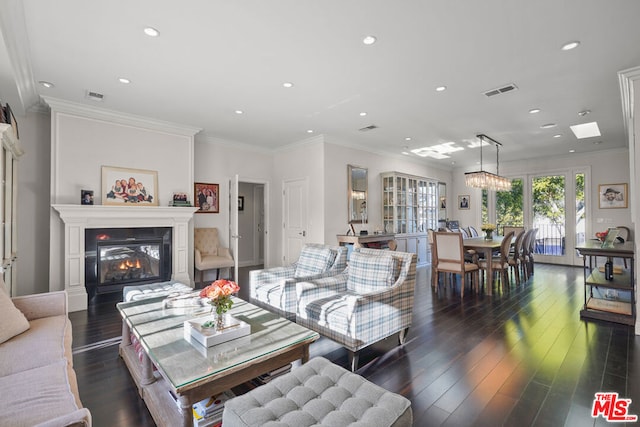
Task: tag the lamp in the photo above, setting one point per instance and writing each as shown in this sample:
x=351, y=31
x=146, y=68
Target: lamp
x=486, y=180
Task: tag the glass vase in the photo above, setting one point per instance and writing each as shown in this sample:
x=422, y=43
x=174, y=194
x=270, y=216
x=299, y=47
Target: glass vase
x=488, y=235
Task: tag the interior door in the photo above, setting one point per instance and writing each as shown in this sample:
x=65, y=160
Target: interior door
x=233, y=223
x=295, y=218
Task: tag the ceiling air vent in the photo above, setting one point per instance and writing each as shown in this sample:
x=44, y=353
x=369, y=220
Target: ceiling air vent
x=504, y=89
x=368, y=128
x=94, y=96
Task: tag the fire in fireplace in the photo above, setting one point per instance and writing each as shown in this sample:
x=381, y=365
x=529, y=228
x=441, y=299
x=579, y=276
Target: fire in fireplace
x=119, y=257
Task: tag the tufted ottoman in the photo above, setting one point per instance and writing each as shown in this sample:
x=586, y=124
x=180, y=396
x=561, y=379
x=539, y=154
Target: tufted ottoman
x=160, y=289
x=318, y=393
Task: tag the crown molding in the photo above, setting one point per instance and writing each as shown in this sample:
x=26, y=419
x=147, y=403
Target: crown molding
x=74, y=108
x=626, y=79
x=14, y=32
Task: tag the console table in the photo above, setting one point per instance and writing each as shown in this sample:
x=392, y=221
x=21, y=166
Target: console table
x=601, y=297
x=377, y=241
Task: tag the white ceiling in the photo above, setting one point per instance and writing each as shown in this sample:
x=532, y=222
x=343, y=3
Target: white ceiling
x=215, y=57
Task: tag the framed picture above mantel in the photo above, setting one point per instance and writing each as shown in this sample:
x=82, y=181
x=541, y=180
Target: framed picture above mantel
x=129, y=187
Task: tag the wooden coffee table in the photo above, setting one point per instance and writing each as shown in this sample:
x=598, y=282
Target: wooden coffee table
x=192, y=372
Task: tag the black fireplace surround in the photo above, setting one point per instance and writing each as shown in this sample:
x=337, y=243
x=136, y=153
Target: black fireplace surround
x=119, y=257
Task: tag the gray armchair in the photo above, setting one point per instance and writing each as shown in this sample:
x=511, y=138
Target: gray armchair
x=371, y=300
x=274, y=289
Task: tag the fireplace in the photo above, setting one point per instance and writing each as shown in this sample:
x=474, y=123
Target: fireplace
x=119, y=257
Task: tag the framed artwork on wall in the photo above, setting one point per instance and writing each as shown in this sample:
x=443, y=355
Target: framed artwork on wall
x=206, y=197
x=612, y=196
x=240, y=203
x=129, y=187
x=464, y=201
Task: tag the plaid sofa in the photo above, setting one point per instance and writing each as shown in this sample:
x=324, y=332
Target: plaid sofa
x=371, y=300
x=274, y=289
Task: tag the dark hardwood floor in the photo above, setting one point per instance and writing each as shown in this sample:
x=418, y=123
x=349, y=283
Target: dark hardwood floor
x=520, y=357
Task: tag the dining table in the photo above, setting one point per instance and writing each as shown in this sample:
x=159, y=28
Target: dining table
x=486, y=247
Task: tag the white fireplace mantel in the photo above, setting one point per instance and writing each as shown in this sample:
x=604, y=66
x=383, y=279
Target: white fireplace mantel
x=77, y=218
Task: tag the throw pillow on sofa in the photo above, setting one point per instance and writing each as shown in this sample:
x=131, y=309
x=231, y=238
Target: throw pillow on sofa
x=12, y=321
x=314, y=260
x=369, y=273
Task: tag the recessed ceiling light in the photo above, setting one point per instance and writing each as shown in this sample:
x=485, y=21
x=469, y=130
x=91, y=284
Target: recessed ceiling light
x=287, y=84
x=441, y=88
x=572, y=151
x=570, y=45
x=585, y=130
x=548, y=125
x=309, y=130
x=405, y=153
x=557, y=135
x=408, y=138
x=369, y=40
x=151, y=32
x=583, y=113
x=124, y=80
x=453, y=163
x=46, y=84
x=239, y=112
x=363, y=113
x=534, y=111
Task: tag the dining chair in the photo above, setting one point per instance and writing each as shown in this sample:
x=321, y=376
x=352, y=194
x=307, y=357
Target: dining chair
x=473, y=232
x=508, y=228
x=499, y=262
x=515, y=254
x=450, y=252
x=434, y=258
x=464, y=232
x=528, y=251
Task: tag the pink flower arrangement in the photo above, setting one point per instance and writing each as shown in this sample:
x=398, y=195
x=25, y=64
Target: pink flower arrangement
x=219, y=294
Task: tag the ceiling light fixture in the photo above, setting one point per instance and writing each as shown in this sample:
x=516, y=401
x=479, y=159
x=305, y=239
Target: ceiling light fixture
x=441, y=88
x=408, y=138
x=239, y=112
x=369, y=40
x=586, y=130
x=362, y=114
x=486, y=180
x=572, y=151
x=46, y=84
x=309, y=130
x=570, y=45
x=548, y=125
x=557, y=135
x=534, y=111
x=124, y=80
x=151, y=32
x=287, y=84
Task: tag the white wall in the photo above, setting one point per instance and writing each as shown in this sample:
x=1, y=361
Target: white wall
x=216, y=162
x=33, y=204
x=337, y=157
x=85, y=139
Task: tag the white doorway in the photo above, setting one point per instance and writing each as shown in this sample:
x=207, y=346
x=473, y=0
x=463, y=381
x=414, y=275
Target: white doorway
x=251, y=223
x=295, y=202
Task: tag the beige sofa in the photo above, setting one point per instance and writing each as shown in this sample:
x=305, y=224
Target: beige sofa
x=37, y=381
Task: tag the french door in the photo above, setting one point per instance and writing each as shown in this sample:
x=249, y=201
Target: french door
x=553, y=202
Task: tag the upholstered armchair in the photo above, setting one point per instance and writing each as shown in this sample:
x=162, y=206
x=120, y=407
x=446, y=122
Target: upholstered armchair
x=371, y=300
x=274, y=289
x=209, y=254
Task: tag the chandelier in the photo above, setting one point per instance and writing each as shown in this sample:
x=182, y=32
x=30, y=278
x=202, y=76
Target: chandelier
x=486, y=180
